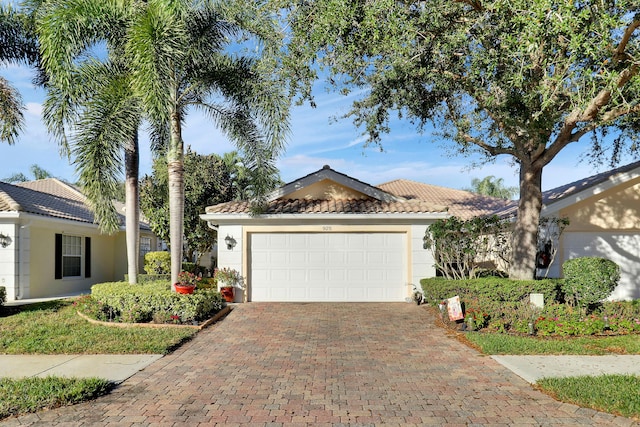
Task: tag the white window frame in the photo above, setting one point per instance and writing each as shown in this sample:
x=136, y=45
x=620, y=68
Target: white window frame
x=145, y=245
x=72, y=248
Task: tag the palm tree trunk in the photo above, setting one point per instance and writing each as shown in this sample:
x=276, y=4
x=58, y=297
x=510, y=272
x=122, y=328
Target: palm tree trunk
x=525, y=234
x=132, y=208
x=175, y=162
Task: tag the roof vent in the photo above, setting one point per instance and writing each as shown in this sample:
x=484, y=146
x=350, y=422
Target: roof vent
x=326, y=167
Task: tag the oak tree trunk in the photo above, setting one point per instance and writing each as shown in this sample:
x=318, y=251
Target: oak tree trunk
x=525, y=233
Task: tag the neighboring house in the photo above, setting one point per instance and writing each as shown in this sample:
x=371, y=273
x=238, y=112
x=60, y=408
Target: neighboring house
x=460, y=203
x=327, y=237
x=604, y=215
x=603, y=211
x=53, y=247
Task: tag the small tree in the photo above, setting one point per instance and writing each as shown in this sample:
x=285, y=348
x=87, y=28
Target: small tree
x=459, y=246
x=208, y=180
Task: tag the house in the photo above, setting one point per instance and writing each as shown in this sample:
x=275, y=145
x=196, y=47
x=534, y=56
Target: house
x=50, y=245
x=604, y=215
x=330, y=237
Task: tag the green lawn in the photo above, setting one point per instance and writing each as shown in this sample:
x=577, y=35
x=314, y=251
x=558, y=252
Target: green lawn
x=55, y=328
x=490, y=343
x=33, y=394
x=615, y=394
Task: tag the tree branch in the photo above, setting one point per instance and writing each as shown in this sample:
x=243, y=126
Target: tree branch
x=620, y=51
x=475, y=4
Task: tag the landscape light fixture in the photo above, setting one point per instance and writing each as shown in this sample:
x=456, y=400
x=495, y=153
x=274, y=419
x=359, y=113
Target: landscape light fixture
x=230, y=241
x=4, y=240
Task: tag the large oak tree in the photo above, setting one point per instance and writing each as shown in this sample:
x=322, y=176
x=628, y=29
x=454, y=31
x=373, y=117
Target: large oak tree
x=502, y=77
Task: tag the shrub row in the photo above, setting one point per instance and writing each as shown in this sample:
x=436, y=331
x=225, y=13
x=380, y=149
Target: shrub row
x=146, y=278
x=120, y=301
x=437, y=289
x=502, y=305
x=3, y=295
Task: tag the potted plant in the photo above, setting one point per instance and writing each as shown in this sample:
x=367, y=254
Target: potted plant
x=186, y=282
x=228, y=280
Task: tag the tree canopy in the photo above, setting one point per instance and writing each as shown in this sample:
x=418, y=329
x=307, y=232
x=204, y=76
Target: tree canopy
x=209, y=180
x=17, y=45
x=492, y=186
x=497, y=77
x=182, y=55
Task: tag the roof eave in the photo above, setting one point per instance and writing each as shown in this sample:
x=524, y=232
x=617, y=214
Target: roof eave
x=215, y=219
x=330, y=174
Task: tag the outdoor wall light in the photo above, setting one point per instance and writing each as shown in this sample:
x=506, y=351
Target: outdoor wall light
x=230, y=241
x=4, y=240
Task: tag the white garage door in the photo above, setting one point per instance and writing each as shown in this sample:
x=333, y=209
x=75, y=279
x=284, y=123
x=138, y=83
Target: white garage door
x=328, y=267
x=623, y=249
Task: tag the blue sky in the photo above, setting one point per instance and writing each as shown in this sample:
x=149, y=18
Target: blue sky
x=315, y=140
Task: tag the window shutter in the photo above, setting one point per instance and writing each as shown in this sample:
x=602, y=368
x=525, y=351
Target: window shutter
x=87, y=257
x=58, y=257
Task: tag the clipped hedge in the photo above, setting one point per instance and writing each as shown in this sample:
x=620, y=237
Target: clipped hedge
x=157, y=262
x=146, y=278
x=589, y=280
x=3, y=295
x=497, y=289
x=140, y=303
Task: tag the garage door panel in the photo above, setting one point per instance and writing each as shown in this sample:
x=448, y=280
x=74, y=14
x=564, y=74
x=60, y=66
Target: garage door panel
x=328, y=267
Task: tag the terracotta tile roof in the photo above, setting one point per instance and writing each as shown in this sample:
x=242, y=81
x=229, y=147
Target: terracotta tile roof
x=48, y=197
x=349, y=206
x=463, y=204
x=559, y=193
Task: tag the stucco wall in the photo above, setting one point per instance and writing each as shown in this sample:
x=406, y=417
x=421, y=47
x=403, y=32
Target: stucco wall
x=328, y=190
x=8, y=261
x=120, y=254
x=614, y=209
x=42, y=262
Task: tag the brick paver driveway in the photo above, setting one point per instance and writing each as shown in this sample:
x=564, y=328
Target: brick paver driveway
x=350, y=364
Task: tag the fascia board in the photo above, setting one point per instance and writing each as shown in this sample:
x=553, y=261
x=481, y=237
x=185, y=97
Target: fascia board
x=332, y=175
x=587, y=193
x=217, y=219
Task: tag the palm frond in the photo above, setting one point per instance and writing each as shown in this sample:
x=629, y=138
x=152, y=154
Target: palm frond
x=11, y=117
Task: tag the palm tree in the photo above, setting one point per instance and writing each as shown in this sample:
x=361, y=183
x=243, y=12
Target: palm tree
x=492, y=186
x=18, y=45
x=89, y=97
x=175, y=51
x=37, y=172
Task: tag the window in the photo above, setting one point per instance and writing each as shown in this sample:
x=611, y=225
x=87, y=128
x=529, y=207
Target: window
x=69, y=253
x=145, y=245
x=71, y=256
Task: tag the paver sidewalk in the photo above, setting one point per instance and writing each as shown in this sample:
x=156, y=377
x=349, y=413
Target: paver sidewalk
x=309, y=364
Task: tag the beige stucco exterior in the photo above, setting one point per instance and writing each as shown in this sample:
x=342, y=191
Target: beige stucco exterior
x=403, y=232
x=617, y=208
x=604, y=222
x=27, y=265
x=326, y=190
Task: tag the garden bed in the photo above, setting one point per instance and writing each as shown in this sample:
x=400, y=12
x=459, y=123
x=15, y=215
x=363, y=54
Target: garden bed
x=199, y=325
